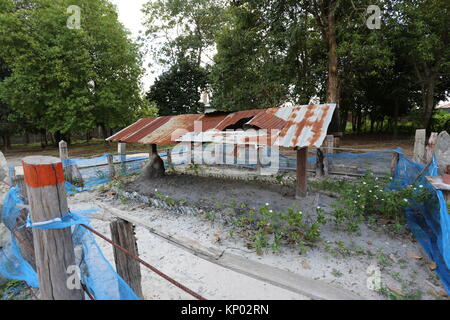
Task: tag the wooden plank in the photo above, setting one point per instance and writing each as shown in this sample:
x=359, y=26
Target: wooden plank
x=122, y=151
x=314, y=289
x=53, y=249
x=302, y=159
x=122, y=233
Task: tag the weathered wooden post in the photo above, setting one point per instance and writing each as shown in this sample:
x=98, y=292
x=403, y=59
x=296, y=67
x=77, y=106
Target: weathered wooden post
x=302, y=159
x=11, y=175
x=64, y=156
x=169, y=159
x=122, y=233
x=419, y=146
x=111, y=168
x=44, y=178
x=122, y=151
x=320, y=167
x=430, y=147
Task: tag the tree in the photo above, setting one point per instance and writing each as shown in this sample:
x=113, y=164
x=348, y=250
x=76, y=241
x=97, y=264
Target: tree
x=177, y=91
x=67, y=80
x=422, y=33
x=187, y=28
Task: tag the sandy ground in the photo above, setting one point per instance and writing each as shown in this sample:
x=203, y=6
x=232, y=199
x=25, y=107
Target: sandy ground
x=412, y=277
x=341, y=259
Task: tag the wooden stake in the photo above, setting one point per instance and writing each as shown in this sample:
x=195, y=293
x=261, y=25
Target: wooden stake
x=320, y=168
x=430, y=146
x=419, y=146
x=302, y=158
x=122, y=151
x=122, y=233
x=54, y=250
x=169, y=159
x=112, y=169
x=64, y=155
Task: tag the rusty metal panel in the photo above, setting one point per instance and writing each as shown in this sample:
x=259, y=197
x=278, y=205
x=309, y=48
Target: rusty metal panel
x=235, y=117
x=306, y=126
x=268, y=120
x=135, y=127
x=168, y=129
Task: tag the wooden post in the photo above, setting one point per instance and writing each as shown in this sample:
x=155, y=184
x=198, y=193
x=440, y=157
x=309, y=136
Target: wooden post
x=329, y=144
x=320, y=168
x=44, y=178
x=394, y=163
x=430, y=146
x=153, y=151
x=11, y=175
x=112, y=169
x=302, y=158
x=122, y=233
x=169, y=159
x=64, y=155
x=122, y=151
x=258, y=160
x=419, y=146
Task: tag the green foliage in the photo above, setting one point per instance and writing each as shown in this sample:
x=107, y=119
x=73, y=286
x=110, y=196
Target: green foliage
x=270, y=228
x=371, y=197
x=177, y=91
x=68, y=80
x=441, y=121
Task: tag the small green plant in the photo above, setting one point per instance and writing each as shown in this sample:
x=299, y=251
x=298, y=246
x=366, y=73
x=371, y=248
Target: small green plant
x=371, y=197
x=337, y=273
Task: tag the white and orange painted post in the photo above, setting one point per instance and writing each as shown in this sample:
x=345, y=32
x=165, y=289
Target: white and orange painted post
x=44, y=179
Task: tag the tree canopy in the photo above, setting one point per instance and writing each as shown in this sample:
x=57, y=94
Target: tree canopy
x=66, y=80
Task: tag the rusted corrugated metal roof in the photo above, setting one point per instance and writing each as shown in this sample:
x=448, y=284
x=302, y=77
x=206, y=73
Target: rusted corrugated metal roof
x=235, y=117
x=306, y=126
x=239, y=137
x=267, y=120
x=298, y=126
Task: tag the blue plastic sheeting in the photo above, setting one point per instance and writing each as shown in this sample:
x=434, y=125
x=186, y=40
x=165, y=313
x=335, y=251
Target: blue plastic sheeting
x=96, y=272
x=428, y=221
x=14, y=266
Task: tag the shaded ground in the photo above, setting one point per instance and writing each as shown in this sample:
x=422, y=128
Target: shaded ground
x=339, y=258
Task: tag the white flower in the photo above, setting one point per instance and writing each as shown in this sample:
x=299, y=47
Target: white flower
x=270, y=211
x=421, y=186
x=370, y=191
x=156, y=190
x=406, y=200
x=364, y=183
x=267, y=204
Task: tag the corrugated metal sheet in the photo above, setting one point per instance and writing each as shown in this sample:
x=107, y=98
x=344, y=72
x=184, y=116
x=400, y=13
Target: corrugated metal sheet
x=298, y=126
x=239, y=137
x=268, y=120
x=235, y=117
x=306, y=126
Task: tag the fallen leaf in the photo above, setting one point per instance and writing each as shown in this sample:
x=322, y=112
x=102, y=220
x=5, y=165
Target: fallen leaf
x=413, y=256
x=432, y=265
x=397, y=291
x=369, y=243
x=306, y=265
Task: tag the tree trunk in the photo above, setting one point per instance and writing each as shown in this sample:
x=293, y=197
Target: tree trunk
x=333, y=76
x=428, y=102
x=396, y=112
